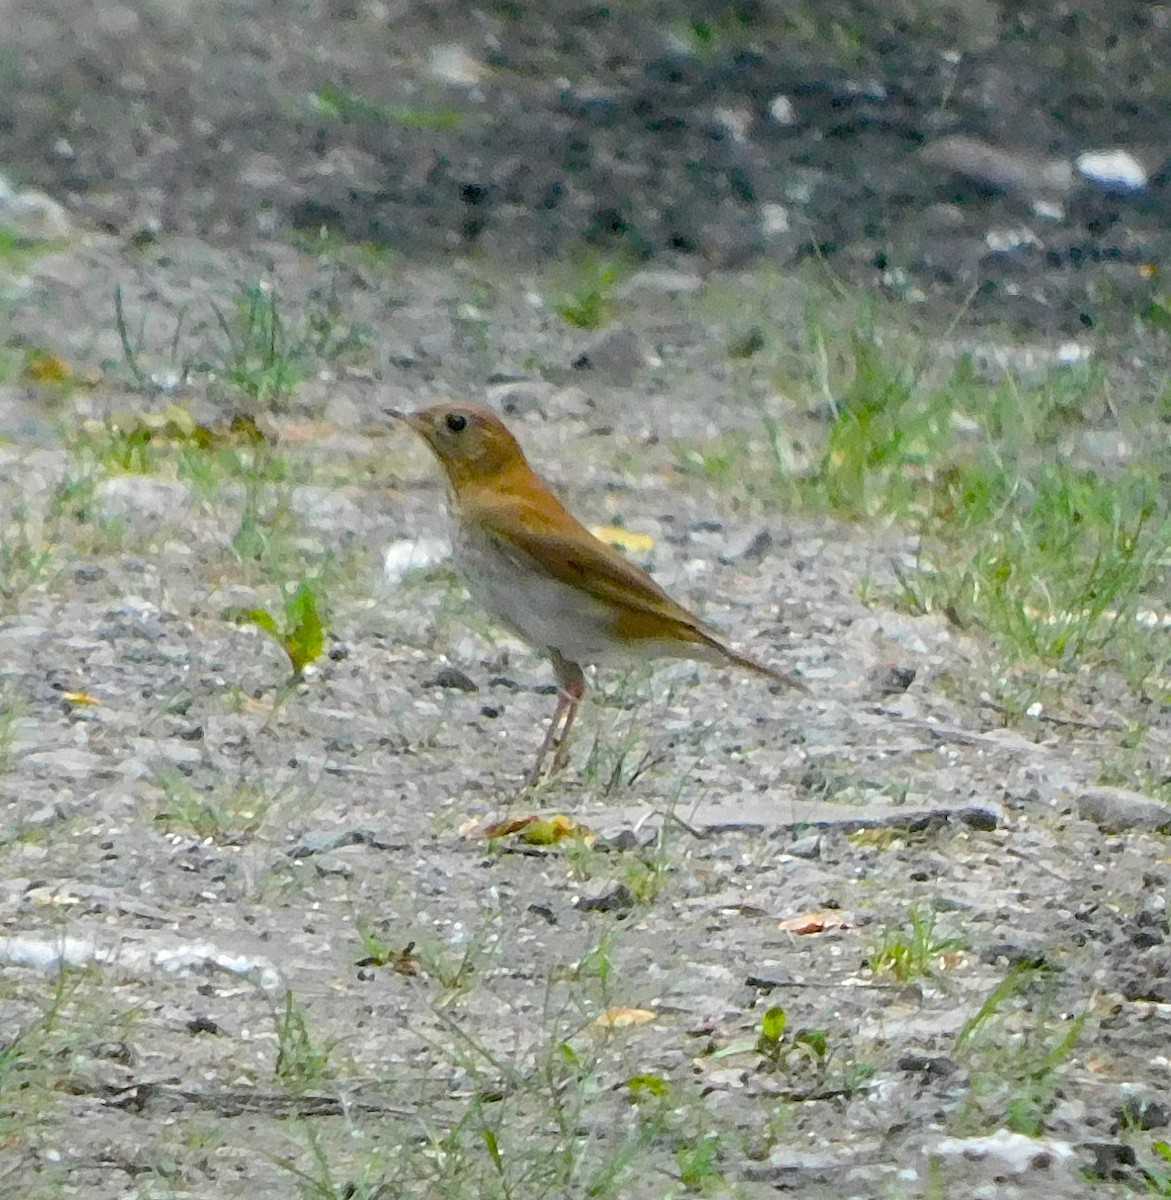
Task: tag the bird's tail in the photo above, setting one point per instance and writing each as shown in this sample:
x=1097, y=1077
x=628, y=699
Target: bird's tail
x=750, y=664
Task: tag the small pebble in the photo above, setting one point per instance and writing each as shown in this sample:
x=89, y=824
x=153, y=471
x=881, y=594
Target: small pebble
x=805, y=847
x=453, y=677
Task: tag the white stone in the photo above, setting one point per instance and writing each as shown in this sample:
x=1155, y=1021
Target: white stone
x=1048, y=210
x=32, y=215
x=1113, y=169
x=774, y=219
x=782, y=111
x=1011, y=1152
x=1005, y=241
x=411, y=554
x=453, y=64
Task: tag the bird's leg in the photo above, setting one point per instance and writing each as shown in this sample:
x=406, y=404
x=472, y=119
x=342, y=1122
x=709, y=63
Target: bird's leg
x=573, y=688
x=534, y=776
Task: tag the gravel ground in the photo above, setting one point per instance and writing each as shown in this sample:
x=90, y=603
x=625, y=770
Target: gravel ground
x=294, y=949
x=298, y=962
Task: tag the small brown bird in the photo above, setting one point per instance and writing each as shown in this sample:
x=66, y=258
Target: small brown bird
x=543, y=575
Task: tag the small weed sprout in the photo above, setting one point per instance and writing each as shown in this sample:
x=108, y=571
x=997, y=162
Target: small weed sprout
x=25, y=557
x=301, y=1061
x=301, y=634
x=11, y=714
x=230, y=817
x=913, y=949
x=261, y=359
x=772, y=1030
x=265, y=356
x=1017, y=1048
x=586, y=300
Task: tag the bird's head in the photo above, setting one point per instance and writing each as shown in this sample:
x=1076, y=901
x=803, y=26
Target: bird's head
x=472, y=443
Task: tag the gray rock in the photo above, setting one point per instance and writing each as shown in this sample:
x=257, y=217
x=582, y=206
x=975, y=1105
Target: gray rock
x=1108, y=448
x=660, y=282
x=453, y=677
x=608, y=900
x=787, y=1159
x=1147, y=975
x=69, y=761
x=339, y=870
x=751, y=546
x=453, y=64
x=891, y=679
x=324, y=840
x=518, y=398
x=616, y=348
x=44, y=817
x=781, y=110
x=69, y=270
x=22, y=414
x=1112, y=1160
x=32, y=215
x=345, y=412
x=1009, y=171
x=571, y=400
x=180, y=754
x=805, y=847
x=1118, y=810
x=328, y=510
x=144, y=500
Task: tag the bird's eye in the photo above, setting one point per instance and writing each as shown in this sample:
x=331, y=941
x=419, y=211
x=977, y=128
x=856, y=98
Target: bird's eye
x=456, y=422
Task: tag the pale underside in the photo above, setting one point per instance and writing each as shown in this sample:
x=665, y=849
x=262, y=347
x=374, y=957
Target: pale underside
x=551, y=615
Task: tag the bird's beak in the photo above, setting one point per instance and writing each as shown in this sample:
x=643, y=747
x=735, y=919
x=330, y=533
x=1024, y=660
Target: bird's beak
x=397, y=414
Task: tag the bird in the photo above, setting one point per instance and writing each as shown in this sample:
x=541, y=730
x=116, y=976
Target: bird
x=543, y=575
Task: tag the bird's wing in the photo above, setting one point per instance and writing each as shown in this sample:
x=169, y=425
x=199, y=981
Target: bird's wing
x=547, y=538
x=537, y=530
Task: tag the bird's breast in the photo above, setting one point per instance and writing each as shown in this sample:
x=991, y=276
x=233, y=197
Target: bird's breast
x=543, y=611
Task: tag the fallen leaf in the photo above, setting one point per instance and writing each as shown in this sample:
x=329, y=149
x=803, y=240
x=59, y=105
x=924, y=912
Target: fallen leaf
x=79, y=698
x=815, y=922
x=499, y=829
x=620, y=1018
x=48, y=370
x=741, y=1045
x=403, y=961
x=539, y=831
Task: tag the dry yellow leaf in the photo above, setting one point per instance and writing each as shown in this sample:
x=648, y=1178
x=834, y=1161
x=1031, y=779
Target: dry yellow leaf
x=815, y=922
x=620, y=1018
x=537, y=831
x=48, y=370
x=79, y=698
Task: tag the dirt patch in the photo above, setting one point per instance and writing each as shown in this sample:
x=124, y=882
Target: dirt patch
x=662, y=131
